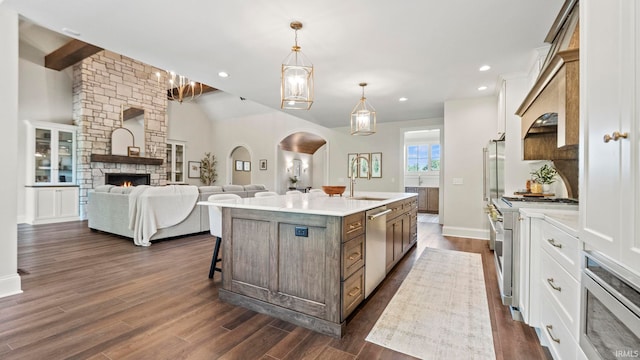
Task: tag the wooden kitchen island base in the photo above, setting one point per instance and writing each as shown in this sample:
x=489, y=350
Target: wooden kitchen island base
x=305, y=263
x=294, y=317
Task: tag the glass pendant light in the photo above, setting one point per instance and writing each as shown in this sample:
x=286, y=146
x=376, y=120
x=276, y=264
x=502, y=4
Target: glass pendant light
x=363, y=117
x=296, y=88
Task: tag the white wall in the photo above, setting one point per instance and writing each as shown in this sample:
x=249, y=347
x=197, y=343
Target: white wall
x=188, y=122
x=9, y=278
x=44, y=95
x=469, y=124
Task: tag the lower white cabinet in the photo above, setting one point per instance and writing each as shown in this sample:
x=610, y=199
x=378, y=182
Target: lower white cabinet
x=50, y=204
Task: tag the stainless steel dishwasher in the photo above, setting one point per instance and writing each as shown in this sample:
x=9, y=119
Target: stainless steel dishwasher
x=375, y=248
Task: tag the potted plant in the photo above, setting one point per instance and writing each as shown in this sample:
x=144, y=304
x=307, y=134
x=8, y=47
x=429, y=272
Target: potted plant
x=546, y=175
x=208, y=169
x=294, y=180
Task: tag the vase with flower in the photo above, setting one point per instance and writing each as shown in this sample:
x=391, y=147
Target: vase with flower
x=545, y=176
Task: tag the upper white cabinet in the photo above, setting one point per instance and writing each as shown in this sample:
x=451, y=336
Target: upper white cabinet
x=51, y=154
x=176, y=164
x=610, y=119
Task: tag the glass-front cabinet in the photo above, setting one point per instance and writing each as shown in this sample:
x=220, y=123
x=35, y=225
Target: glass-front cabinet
x=176, y=164
x=51, y=151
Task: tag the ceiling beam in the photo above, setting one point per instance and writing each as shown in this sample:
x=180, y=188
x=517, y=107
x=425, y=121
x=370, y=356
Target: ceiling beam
x=69, y=54
x=130, y=113
x=205, y=89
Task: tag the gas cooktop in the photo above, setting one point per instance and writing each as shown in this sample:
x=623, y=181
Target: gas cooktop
x=510, y=199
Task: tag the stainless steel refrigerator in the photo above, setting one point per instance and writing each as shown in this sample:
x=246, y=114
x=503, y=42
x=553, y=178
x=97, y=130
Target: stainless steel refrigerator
x=494, y=170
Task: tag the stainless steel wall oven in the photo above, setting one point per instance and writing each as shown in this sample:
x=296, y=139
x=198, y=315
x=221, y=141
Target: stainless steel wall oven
x=610, y=309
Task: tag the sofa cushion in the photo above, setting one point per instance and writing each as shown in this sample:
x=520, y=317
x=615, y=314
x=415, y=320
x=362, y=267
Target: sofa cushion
x=103, y=188
x=232, y=188
x=255, y=187
x=121, y=190
x=210, y=189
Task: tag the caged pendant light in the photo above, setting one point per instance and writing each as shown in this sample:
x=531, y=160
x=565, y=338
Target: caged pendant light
x=296, y=88
x=363, y=117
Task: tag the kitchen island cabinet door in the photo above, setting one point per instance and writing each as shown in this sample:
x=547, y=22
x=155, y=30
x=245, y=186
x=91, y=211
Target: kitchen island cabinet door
x=609, y=197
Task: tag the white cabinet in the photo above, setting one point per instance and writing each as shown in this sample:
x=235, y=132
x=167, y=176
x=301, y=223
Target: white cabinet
x=609, y=93
x=49, y=204
x=176, y=164
x=51, y=153
x=51, y=193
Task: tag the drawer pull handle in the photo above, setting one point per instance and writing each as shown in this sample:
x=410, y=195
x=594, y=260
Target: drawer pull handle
x=354, y=227
x=549, y=328
x=354, y=292
x=553, y=285
x=554, y=243
x=354, y=256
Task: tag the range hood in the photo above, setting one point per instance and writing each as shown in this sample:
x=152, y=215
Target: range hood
x=550, y=112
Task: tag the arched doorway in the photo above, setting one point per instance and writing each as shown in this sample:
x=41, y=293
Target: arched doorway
x=240, y=162
x=302, y=156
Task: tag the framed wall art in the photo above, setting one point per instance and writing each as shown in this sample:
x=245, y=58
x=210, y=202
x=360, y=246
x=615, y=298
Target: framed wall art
x=262, y=164
x=376, y=165
x=239, y=165
x=364, y=166
x=133, y=151
x=194, y=170
x=352, y=167
x=247, y=166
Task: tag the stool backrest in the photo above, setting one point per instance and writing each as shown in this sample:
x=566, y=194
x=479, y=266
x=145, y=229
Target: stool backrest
x=215, y=212
x=266, y=194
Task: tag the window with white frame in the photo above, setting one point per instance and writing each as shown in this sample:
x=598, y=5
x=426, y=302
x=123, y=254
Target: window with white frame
x=423, y=158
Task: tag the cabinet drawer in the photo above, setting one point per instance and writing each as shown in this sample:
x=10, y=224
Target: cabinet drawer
x=352, y=292
x=562, y=247
x=410, y=204
x=554, y=332
x=352, y=256
x=353, y=226
x=396, y=209
x=563, y=289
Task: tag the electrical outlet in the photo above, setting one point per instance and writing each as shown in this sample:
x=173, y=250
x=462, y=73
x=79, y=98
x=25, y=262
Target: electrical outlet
x=302, y=231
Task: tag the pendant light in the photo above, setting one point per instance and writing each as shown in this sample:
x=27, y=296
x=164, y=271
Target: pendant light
x=296, y=88
x=363, y=117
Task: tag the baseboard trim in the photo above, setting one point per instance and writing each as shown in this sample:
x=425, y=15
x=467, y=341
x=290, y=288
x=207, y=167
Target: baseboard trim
x=10, y=285
x=470, y=233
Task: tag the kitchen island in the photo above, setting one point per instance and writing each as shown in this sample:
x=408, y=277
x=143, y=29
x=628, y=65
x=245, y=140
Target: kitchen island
x=301, y=257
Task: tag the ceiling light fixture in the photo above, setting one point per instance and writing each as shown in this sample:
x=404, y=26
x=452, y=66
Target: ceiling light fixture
x=482, y=88
x=296, y=88
x=223, y=74
x=484, y=68
x=363, y=117
x=403, y=99
x=180, y=88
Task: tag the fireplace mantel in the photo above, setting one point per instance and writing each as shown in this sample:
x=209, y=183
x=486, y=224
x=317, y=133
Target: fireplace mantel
x=120, y=159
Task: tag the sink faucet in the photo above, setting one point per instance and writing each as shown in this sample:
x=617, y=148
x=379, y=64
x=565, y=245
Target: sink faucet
x=352, y=177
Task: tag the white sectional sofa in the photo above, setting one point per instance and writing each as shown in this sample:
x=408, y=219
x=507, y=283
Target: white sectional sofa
x=108, y=210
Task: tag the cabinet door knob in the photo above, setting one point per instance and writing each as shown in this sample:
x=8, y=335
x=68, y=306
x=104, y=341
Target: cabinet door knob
x=607, y=138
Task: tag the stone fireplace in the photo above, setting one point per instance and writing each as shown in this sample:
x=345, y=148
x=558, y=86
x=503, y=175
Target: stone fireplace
x=102, y=84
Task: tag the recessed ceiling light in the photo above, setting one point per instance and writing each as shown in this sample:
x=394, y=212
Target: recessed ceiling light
x=70, y=32
x=402, y=99
x=482, y=88
x=223, y=74
x=484, y=67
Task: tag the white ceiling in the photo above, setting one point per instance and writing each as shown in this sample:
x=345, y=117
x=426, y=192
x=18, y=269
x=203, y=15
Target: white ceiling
x=428, y=51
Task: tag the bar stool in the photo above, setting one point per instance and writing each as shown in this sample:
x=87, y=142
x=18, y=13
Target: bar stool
x=215, y=226
x=266, y=194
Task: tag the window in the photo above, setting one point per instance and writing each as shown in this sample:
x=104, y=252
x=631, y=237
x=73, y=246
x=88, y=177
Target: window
x=423, y=157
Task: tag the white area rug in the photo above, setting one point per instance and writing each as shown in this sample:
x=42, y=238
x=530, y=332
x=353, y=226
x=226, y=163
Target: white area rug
x=440, y=311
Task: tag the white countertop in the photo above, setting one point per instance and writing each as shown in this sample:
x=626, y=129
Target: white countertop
x=319, y=204
x=567, y=220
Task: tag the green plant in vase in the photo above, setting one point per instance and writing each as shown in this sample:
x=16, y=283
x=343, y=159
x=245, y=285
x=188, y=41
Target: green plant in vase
x=208, y=173
x=546, y=175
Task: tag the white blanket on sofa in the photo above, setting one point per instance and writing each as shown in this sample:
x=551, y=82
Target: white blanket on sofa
x=153, y=208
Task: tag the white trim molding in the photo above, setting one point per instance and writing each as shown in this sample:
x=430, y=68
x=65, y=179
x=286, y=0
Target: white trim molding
x=470, y=233
x=10, y=285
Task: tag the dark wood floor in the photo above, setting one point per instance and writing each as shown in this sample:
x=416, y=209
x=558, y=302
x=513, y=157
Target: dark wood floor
x=90, y=295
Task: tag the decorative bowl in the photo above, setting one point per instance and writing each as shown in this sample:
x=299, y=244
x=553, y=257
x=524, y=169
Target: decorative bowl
x=333, y=190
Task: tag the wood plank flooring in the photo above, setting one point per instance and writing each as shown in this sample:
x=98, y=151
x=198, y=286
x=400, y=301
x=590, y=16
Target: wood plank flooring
x=91, y=295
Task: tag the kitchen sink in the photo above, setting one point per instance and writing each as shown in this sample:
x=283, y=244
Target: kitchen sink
x=370, y=198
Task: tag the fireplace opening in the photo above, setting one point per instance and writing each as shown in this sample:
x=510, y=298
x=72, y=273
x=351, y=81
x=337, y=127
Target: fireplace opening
x=125, y=179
